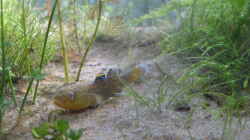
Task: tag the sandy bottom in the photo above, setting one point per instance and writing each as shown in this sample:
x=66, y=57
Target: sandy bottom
x=124, y=118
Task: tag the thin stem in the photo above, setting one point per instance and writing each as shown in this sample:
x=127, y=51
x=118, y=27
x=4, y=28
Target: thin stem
x=192, y=15
x=25, y=53
x=90, y=44
x=3, y=67
x=3, y=51
x=25, y=96
x=64, y=50
x=44, y=48
x=13, y=95
x=24, y=22
x=75, y=25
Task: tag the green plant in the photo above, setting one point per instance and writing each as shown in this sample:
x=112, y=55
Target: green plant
x=21, y=44
x=75, y=21
x=57, y=130
x=4, y=103
x=212, y=36
x=36, y=73
x=155, y=102
x=3, y=84
x=24, y=42
x=110, y=28
x=90, y=43
x=64, y=48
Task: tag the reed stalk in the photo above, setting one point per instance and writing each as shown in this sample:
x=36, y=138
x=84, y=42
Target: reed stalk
x=3, y=66
x=41, y=63
x=64, y=49
x=90, y=44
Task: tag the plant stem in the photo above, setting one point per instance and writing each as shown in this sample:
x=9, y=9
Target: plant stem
x=75, y=25
x=44, y=48
x=13, y=95
x=192, y=15
x=90, y=44
x=23, y=23
x=64, y=50
x=3, y=67
x=3, y=52
x=25, y=96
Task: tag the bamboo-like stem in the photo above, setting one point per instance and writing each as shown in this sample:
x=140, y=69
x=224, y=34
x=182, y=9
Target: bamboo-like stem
x=26, y=49
x=75, y=26
x=44, y=48
x=3, y=52
x=23, y=23
x=90, y=44
x=64, y=49
x=13, y=95
x=25, y=96
x=41, y=63
x=3, y=65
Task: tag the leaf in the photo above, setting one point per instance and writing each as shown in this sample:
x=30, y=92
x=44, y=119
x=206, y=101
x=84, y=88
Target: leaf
x=238, y=3
x=245, y=84
x=37, y=75
x=35, y=134
x=162, y=97
x=41, y=131
x=8, y=44
x=4, y=103
x=62, y=126
x=231, y=102
x=75, y=134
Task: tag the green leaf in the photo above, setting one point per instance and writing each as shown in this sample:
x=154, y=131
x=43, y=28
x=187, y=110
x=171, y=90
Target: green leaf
x=37, y=75
x=238, y=3
x=41, y=131
x=35, y=134
x=231, y=102
x=245, y=84
x=8, y=44
x=75, y=134
x=62, y=126
x=4, y=103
